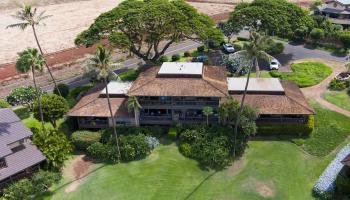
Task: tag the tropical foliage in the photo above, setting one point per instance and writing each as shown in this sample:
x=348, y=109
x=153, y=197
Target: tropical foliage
x=54, y=107
x=29, y=17
x=23, y=96
x=151, y=23
x=26, y=189
x=54, y=144
x=274, y=17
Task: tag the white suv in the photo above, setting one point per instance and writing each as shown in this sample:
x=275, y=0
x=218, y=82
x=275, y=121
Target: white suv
x=229, y=48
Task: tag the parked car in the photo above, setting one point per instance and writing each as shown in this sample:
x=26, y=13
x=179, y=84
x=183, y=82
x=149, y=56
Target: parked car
x=274, y=64
x=228, y=48
x=201, y=58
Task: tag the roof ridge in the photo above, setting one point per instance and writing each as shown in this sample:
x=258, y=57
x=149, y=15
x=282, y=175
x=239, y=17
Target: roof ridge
x=307, y=108
x=204, y=78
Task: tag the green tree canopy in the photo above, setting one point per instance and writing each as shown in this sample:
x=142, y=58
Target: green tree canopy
x=277, y=17
x=54, y=145
x=53, y=107
x=148, y=28
x=22, y=96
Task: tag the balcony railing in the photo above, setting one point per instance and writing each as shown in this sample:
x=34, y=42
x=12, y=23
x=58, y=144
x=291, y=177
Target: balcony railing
x=178, y=103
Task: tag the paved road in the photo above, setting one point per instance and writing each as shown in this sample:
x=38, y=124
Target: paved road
x=130, y=63
x=291, y=52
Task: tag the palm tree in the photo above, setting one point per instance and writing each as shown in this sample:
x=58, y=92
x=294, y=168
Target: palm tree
x=101, y=63
x=29, y=17
x=207, y=110
x=252, y=51
x=32, y=60
x=133, y=104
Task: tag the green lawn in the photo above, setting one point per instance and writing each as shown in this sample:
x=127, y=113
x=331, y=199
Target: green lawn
x=341, y=99
x=263, y=74
x=305, y=74
x=271, y=170
x=331, y=129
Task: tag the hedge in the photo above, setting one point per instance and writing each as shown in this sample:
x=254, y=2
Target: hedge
x=83, y=139
x=4, y=104
x=287, y=128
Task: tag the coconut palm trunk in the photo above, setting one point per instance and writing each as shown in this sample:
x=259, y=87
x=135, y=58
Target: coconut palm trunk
x=42, y=53
x=38, y=95
x=241, y=108
x=137, y=118
x=115, y=140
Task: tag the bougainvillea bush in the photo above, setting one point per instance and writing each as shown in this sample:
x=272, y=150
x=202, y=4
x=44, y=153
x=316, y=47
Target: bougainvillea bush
x=325, y=186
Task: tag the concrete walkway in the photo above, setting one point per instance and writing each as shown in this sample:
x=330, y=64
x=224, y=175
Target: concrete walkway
x=316, y=92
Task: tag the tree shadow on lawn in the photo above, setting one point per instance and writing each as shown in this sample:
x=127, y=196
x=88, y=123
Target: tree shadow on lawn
x=199, y=185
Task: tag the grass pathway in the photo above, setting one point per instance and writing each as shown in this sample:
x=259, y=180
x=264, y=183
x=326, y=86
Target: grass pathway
x=316, y=92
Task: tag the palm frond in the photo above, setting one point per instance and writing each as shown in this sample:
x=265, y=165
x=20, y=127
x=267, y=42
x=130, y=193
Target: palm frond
x=18, y=25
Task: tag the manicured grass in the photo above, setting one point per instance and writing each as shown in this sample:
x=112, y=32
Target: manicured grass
x=341, y=99
x=268, y=170
x=305, y=74
x=331, y=129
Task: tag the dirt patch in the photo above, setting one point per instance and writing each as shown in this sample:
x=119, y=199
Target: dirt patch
x=264, y=189
x=236, y=167
x=76, y=170
x=153, y=157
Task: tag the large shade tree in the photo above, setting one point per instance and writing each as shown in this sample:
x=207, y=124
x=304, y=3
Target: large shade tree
x=32, y=60
x=101, y=63
x=148, y=28
x=29, y=17
x=275, y=17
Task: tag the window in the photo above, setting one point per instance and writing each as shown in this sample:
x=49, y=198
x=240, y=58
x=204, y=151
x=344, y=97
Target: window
x=2, y=163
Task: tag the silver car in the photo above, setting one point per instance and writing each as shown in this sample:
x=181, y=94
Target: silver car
x=228, y=48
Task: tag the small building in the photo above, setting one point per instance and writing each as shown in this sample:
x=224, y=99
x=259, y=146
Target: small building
x=177, y=92
x=92, y=112
x=338, y=11
x=18, y=156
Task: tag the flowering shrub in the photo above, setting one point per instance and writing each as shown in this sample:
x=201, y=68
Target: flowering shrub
x=325, y=186
x=152, y=142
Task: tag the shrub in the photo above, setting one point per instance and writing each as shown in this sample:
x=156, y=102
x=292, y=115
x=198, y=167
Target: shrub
x=175, y=57
x=343, y=181
x=64, y=89
x=83, y=139
x=190, y=135
x=336, y=84
x=172, y=133
x=163, y=59
x=344, y=37
x=298, y=129
x=74, y=93
x=99, y=151
x=54, y=145
x=237, y=46
x=4, y=104
x=30, y=188
x=133, y=147
x=242, y=39
x=316, y=34
x=212, y=152
x=129, y=75
x=201, y=48
x=187, y=54
x=152, y=142
x=186, y=149
x=298, y=141
x=275, y=48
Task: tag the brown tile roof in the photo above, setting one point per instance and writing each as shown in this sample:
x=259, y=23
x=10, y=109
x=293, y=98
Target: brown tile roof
x=346, y=160
x=212, y=84
x=92, y=105
x=292, y=102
